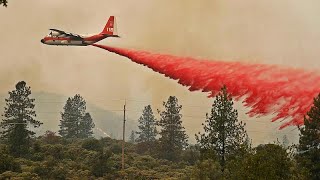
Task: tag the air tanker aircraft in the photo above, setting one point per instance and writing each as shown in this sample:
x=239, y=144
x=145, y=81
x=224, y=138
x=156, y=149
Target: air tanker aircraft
x=59, y=38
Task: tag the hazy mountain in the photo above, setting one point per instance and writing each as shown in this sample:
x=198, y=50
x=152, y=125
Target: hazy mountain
x=49, y=106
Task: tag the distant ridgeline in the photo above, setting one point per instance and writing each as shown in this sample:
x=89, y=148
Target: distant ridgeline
x=49, y=106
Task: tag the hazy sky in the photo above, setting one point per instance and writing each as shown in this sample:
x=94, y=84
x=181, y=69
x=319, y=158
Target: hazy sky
x=282, y=32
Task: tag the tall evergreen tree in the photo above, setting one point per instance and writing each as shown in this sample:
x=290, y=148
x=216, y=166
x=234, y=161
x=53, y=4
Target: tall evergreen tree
x=173, y=136
x=132, y=138
x=223, y=134
x=18, y=115
x=147, y=127
x=309, y=143
x=86, y=125
x=75, y=122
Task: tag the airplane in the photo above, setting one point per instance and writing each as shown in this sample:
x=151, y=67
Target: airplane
x=62, y=38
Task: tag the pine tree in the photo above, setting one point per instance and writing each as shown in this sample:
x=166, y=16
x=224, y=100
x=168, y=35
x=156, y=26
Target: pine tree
x=223, y=134
x=132, y=138
x=173, y=136
x=86, y=125
x=309, y=143
x=147, y=127
x=75, y=122
x=18, y=115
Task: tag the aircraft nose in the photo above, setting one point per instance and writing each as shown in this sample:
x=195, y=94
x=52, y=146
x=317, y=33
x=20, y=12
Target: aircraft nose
x=42, y=40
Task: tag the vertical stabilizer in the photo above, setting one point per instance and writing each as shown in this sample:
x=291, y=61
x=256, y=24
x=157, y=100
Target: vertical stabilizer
x=110, y=28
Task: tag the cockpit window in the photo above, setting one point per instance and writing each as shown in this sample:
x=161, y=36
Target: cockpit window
x=50, y=34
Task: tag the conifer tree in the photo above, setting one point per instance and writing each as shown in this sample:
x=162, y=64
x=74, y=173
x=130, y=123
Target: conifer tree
x=86, y=125
x=132, y=138
x=173, y=136
x=17, y=117
x=75, y=122
x=147, y=127
x=223, y=134
x=309, y=143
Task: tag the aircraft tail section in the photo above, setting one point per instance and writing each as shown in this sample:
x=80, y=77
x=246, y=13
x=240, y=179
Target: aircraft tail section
x=111, y=28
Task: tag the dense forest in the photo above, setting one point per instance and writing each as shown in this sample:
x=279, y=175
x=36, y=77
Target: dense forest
x=158, y=150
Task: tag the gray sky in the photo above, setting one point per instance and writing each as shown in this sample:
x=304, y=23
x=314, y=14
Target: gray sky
x=267, y=31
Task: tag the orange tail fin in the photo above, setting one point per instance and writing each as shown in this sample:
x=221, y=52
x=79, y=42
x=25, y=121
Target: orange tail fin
x=110, y=28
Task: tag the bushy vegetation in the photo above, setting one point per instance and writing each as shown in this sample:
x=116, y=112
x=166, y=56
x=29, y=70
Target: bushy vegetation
x=94, y=159
x=85, y=159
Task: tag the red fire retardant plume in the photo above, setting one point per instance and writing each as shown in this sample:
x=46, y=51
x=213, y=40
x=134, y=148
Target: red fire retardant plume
x=287, y=93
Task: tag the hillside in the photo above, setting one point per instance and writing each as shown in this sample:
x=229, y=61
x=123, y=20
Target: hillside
x=48, y=108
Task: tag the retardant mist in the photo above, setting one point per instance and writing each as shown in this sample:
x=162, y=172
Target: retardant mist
x=266, y=89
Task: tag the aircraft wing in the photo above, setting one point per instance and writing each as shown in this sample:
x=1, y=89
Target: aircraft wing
x=57, y=30
x=71, y=35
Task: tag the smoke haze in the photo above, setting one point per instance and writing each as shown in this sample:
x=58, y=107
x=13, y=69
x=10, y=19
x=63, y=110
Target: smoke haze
x=269, y=32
